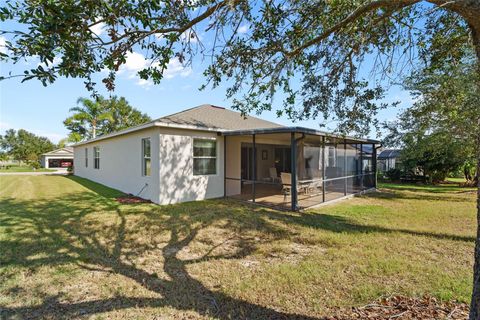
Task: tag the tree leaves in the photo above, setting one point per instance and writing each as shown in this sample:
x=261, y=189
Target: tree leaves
x=24, y=145
x=305, y=59
x=102, y=116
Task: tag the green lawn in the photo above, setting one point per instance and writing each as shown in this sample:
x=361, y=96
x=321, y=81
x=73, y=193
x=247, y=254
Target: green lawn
x=68, y=249
x=24, y=169
x=456, y=180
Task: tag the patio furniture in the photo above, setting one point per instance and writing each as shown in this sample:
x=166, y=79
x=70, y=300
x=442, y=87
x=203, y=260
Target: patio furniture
x=310, y=185
x=286, y=179
x=273, y=174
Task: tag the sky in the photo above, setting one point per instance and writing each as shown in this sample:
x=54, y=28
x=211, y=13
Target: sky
x=41, y=110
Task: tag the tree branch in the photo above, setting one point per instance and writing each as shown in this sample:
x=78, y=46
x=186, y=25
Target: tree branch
x=145, y=33
x=360, y=11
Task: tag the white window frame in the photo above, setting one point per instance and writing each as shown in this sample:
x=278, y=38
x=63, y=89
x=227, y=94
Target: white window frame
x=96, y=165
x=144, y=157
x=205, y=157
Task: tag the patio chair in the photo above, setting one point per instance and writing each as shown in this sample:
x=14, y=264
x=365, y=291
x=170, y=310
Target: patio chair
x=286, y=179
x=273, y=174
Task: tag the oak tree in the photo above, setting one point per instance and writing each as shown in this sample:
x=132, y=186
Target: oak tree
x=317, y=53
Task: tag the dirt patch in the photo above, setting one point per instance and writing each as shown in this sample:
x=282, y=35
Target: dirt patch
x=132, y=199
x=405, y=308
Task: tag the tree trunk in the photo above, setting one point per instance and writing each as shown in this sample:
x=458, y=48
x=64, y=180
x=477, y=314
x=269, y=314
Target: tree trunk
x=475, y=304
x=94, y=129
x=466, y=173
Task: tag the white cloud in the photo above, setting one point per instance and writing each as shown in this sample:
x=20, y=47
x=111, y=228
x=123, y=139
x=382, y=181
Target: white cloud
x=135, y=62
x=175, y=68
x=243, y=29
x=98, y=28
x=56, y=61
x=145, y=83
x=3, y=49
x=191, y=36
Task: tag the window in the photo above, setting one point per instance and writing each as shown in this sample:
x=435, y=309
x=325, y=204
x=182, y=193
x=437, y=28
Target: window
x=204, y=156
x=146, y=160
x=86, y=157
x=96, y=157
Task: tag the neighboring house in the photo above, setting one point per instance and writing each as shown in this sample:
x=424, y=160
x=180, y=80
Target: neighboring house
x=210, y=152
x=389, y=159
x=60, y=158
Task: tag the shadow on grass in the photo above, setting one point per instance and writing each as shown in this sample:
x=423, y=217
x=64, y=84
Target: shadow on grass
x=418, y=195
x=53, y=232
x=435, y=189
x=335, y=223
x=97, y=188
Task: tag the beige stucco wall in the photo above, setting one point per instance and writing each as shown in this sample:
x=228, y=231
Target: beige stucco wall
x=121, y=163
x=171, y=180
x=234, y=146
x=177, y=181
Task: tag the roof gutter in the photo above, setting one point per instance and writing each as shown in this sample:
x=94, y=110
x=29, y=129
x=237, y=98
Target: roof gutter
x=148, y=125
x=294, y=130
x=224, y=132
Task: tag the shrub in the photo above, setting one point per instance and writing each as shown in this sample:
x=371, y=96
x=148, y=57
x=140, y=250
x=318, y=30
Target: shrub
x=34, y=164
x=438, y=176
x=380, y=175
x=394, y=174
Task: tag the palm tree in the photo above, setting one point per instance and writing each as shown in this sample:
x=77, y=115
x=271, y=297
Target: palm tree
x=88, y=117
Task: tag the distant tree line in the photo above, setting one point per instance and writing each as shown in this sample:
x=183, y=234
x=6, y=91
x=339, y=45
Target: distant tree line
x=90, y=118
x=24, y=146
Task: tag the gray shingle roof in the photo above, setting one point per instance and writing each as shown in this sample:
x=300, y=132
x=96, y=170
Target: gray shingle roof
x=213, y=117
x=389, y=154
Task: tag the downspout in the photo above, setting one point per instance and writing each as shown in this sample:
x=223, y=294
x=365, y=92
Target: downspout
x=323, y=169
x=254, y=175
x=224, y=166
x=345, y=185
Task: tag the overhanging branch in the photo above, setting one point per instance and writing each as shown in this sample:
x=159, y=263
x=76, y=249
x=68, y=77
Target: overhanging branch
x=357, y=13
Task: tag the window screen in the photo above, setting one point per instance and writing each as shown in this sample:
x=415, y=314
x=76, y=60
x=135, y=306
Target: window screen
x=204, y=156
x=146, y=157
x=96, y=157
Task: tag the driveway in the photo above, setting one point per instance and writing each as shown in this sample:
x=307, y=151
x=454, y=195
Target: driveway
x=33, y=173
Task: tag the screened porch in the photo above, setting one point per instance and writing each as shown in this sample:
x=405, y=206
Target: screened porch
x=296, y=168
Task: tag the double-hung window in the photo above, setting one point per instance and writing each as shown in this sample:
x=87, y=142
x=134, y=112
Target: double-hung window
x=146, y=157
x=96, y=157
x=204, y=156
x=86, y=157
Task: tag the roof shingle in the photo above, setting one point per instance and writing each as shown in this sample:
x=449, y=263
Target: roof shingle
x=389, y=154
x=213, y=117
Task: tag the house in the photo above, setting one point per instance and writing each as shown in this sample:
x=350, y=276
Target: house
x=389, y=159
x=210, y=152
x=59, y=158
